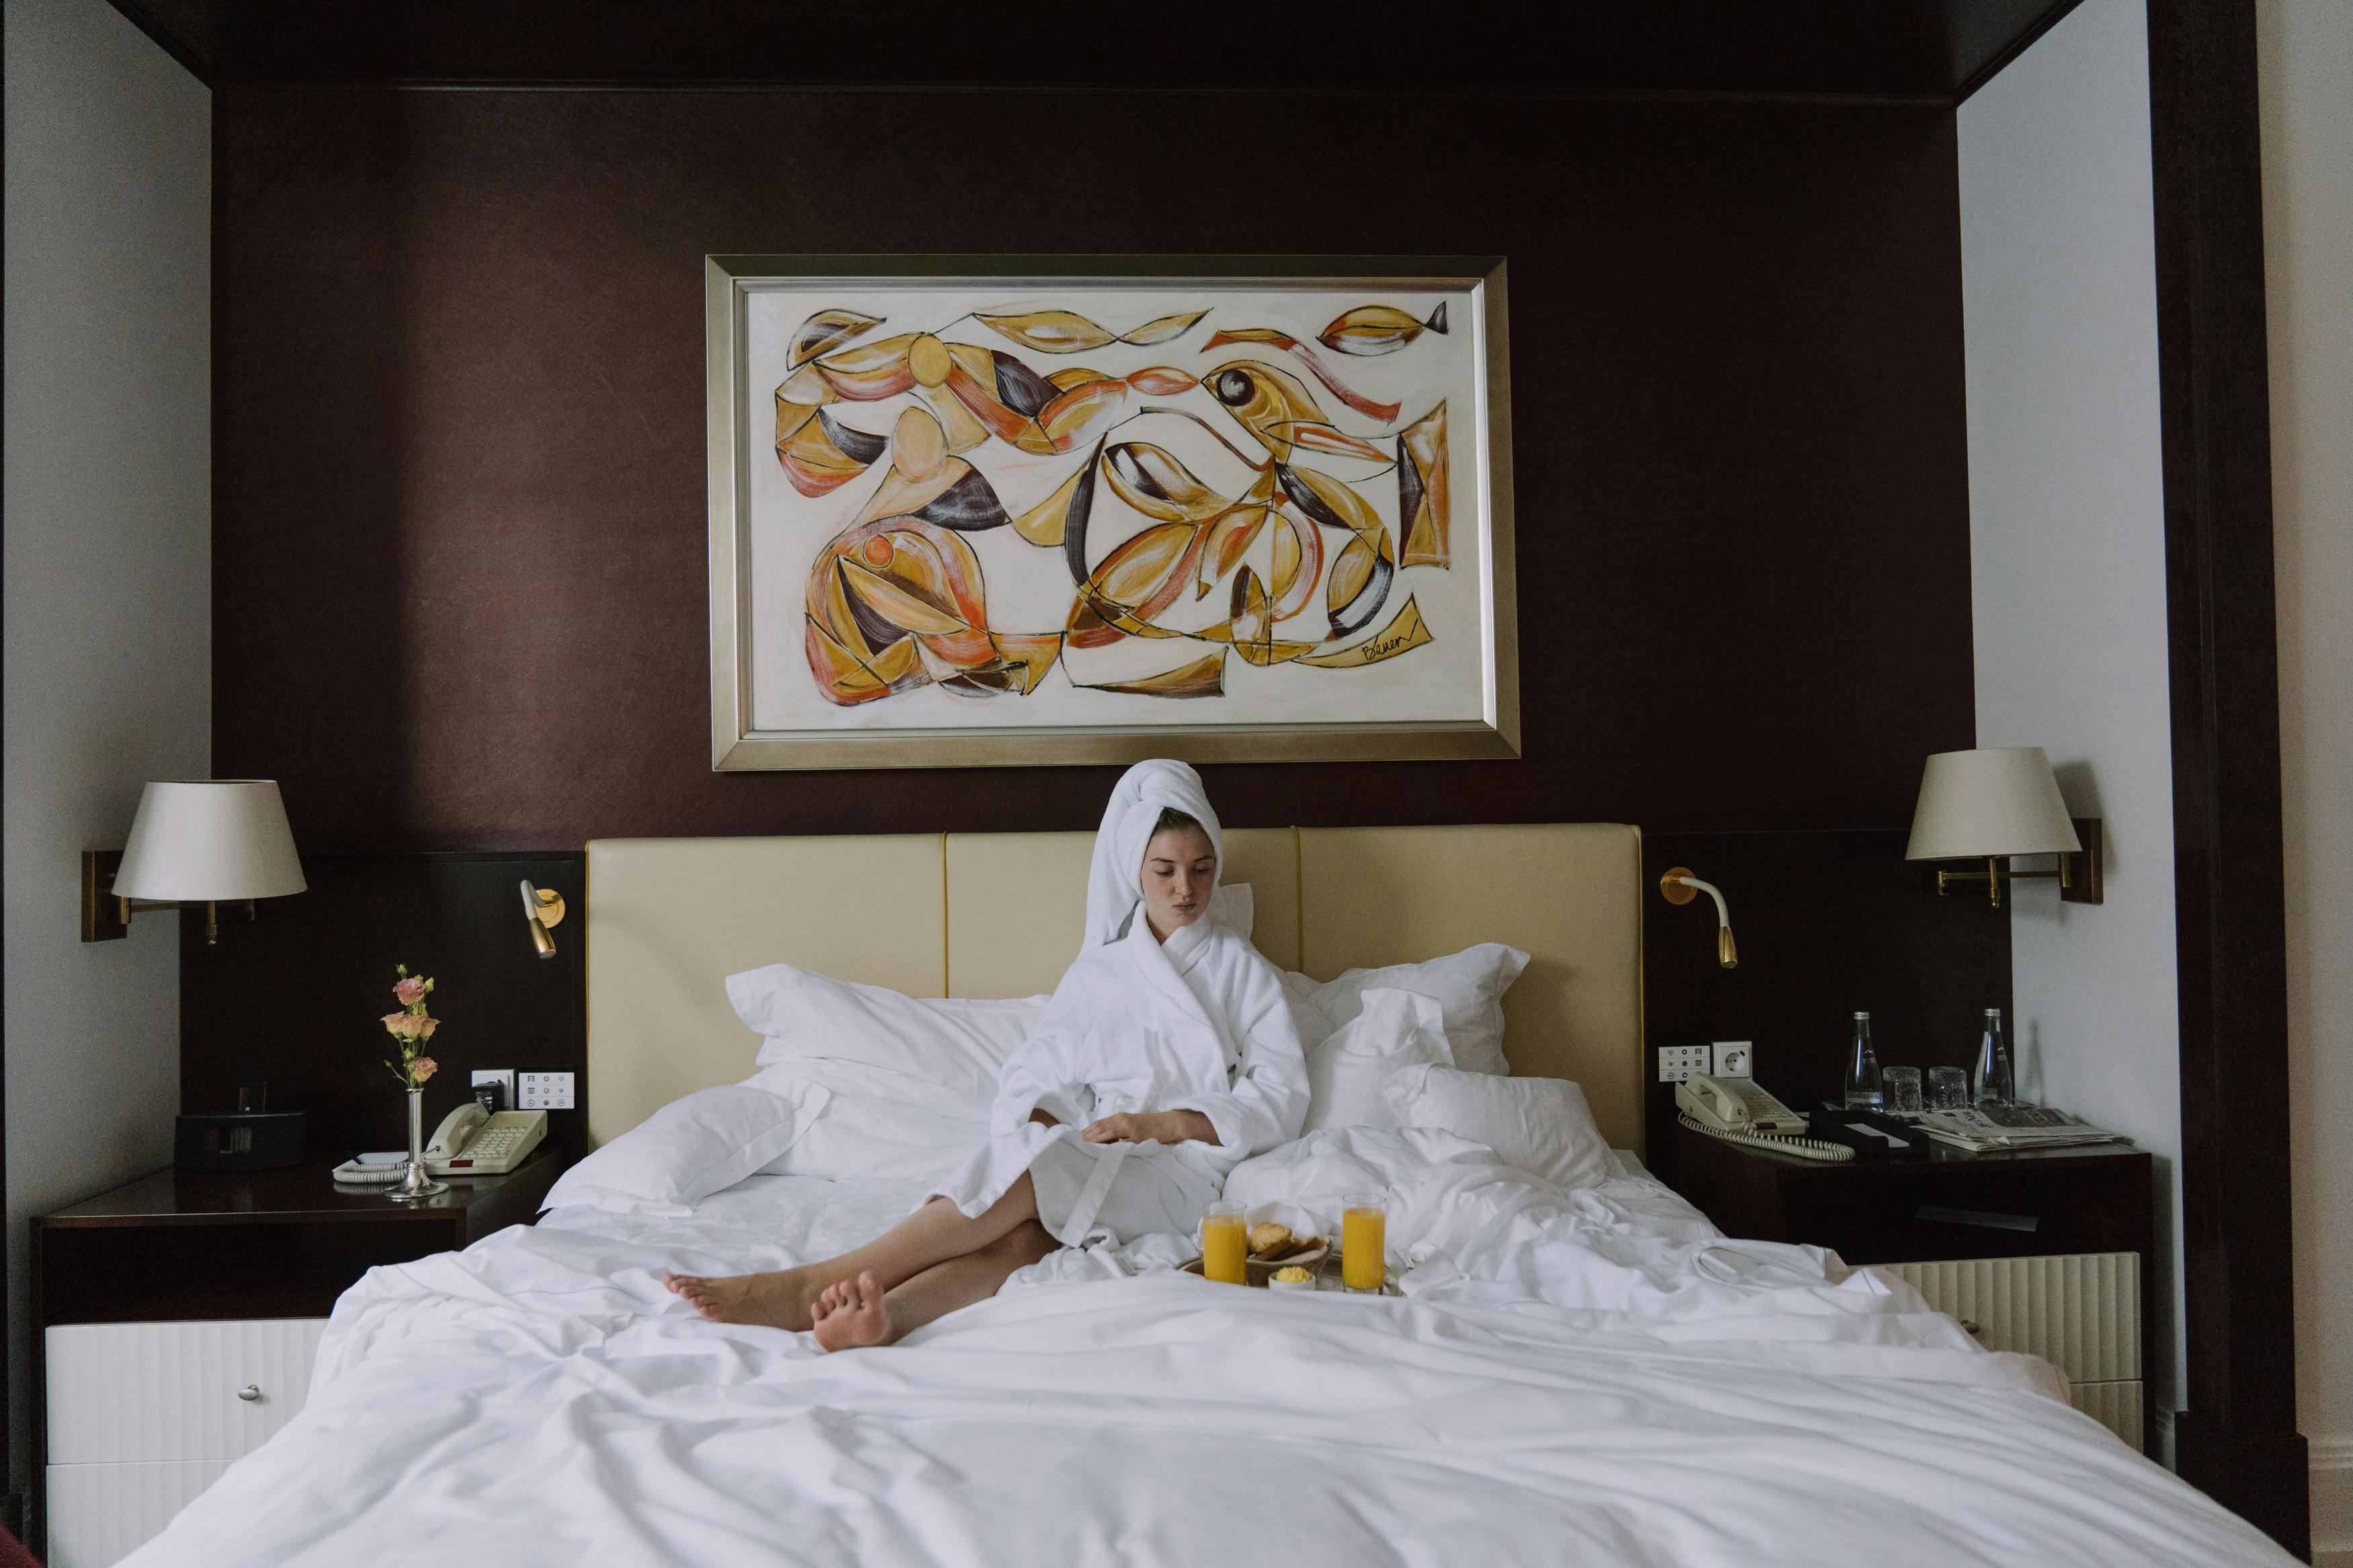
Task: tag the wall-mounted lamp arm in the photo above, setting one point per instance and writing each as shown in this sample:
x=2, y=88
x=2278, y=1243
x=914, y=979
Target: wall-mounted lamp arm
x=1679, y=887
x=542, y=908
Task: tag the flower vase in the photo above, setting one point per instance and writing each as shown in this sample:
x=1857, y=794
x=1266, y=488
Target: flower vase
x=414, y=1183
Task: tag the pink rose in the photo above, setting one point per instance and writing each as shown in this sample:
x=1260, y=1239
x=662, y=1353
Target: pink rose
x=427, y=1027
x=422, y=1069
x=409, y=992
x=403, y=1025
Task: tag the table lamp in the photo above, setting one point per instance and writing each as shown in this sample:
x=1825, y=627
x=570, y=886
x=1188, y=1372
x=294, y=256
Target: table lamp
x=1995, y=801
x=197, y=841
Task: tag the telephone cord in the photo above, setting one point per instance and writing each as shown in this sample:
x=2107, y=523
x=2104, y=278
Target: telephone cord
x=1803, y=1148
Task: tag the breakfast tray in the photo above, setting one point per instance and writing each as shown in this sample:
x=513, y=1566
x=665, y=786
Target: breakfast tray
x=1327, y=1275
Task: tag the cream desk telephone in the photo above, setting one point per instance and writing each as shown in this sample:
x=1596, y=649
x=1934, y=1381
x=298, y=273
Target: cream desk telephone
x=471, y=1141
x=1738, y=1110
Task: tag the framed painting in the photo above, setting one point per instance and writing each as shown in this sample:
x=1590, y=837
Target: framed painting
x=1023, y=511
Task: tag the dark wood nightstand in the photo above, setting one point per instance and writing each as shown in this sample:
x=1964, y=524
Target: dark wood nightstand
x=1955, y=1217
x=174, y=1318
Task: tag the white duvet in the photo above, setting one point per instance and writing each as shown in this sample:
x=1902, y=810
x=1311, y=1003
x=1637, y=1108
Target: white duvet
x=1589, y=1377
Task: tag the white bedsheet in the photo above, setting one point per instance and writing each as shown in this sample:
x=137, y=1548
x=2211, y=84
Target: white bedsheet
x=1590, y=1377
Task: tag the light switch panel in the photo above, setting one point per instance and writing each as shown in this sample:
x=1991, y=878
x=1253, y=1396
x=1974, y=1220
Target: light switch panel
x=1677, y=1063
x=544, y=1091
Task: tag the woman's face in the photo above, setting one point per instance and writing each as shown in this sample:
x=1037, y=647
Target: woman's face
x=1180, y=872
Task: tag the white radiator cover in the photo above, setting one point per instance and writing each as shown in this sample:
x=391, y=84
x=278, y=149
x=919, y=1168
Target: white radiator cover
x=2114, y=1406
x=99, y=1514
x=144, y=1417
x=2079, y=1312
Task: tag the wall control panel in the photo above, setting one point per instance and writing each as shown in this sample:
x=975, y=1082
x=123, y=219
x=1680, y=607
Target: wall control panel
x=544, y=1091
x=1677, y=1063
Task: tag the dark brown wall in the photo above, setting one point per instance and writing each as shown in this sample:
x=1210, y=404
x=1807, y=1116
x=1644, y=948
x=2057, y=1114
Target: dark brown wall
x=458, y=517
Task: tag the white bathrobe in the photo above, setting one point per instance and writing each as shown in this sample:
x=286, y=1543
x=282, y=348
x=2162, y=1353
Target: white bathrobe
x=1198, y=1024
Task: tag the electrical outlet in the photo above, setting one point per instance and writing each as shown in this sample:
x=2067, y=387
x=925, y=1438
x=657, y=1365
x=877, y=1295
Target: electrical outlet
x=544, y=1091
x=1677, y=1063
x=503, y=1075
x=1733, y=1059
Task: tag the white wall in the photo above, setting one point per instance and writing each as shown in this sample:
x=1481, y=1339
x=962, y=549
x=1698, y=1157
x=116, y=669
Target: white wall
x=2307, y=63
x=2067, y=555
x=107, y=562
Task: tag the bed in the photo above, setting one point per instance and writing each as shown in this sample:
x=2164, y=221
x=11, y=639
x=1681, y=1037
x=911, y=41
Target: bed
x=1587, y=1374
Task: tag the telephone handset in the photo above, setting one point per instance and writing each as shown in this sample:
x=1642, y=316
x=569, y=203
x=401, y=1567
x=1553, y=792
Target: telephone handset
x=471, y=1141
x=1739, y=1110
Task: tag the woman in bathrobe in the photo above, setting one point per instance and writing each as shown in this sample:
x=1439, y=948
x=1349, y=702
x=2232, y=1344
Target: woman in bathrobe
x=1166, y=1057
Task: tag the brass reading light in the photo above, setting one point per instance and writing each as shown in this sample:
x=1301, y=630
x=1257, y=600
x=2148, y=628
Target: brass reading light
x=542, y=909
x=1679, y=887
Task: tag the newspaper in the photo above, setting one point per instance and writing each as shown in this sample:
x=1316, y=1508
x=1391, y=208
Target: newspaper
x=2013, y=1127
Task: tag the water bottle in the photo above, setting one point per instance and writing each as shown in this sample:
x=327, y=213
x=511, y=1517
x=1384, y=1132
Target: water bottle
x=1863, y=1090
x=1993, y=1083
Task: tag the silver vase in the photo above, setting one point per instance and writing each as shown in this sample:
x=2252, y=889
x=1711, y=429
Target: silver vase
x=414, y=1183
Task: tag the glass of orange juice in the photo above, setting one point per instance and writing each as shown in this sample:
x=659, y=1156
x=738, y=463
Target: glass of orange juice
x=1364, y=1241
x=1225, y=1244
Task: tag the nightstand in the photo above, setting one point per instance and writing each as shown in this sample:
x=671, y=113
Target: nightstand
x=175, y=1318
x=2045, y=1251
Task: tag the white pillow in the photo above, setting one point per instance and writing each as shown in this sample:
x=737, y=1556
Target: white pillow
x=1468, y=986
x=690, y=1149
x=878, y=1139
x=1535, y=1124
x=957, y=1044
x=1347, y=1071
x=1299, y=994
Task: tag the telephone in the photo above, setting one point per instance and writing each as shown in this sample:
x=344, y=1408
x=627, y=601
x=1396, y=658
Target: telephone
x=1739, y=1110
x=471, y=1141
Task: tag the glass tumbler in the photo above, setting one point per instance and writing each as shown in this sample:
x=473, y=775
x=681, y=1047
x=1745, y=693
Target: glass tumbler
x=1225, y=1244
x=1948, y=1089
x=1364, y=1241
x=1903, y=1087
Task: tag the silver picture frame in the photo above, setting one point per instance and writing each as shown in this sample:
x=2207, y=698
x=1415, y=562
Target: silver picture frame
x=731, y=281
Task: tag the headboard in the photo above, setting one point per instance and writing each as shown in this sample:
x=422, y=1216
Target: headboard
x=999, y=914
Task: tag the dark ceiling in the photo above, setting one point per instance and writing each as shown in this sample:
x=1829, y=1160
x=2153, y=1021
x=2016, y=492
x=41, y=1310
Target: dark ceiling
x=1923, y=49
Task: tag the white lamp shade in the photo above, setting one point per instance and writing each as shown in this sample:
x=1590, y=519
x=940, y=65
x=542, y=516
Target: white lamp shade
x=209, y=841
x=1996, y=801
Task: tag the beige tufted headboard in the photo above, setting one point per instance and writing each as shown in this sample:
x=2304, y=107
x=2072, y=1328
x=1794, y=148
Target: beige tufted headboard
x=998, y=914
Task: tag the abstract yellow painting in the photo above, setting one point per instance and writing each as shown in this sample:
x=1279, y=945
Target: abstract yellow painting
x=973, y=511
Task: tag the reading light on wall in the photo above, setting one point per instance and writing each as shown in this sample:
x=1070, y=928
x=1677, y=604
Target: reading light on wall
x=1679, y=887
x=194, y=841
x=542, y=909
x=2000, y=801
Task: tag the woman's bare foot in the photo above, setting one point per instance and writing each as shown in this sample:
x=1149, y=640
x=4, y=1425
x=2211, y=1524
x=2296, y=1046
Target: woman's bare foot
x=853, y=1313
x=779, y=1301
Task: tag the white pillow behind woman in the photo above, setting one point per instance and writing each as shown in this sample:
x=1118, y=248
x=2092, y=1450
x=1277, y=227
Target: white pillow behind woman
x=1540, y=1125
x=690, y=1149
x=956, y=1044
x=1348, y=1070
x=1468, y=988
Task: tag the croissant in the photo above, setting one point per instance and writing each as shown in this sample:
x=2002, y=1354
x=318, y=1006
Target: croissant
x=1265, y=1239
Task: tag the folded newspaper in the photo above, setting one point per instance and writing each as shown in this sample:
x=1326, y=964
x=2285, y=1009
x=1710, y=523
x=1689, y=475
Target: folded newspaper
x=2013, y=1127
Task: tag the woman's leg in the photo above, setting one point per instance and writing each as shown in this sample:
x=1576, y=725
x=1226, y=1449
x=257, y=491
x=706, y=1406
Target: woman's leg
x=933, y=1234
x=860, y=1311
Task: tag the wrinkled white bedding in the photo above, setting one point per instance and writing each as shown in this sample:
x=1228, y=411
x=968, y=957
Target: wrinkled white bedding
x=1590, y=1377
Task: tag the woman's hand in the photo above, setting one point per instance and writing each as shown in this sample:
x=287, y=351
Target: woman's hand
x=1153, y=1127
